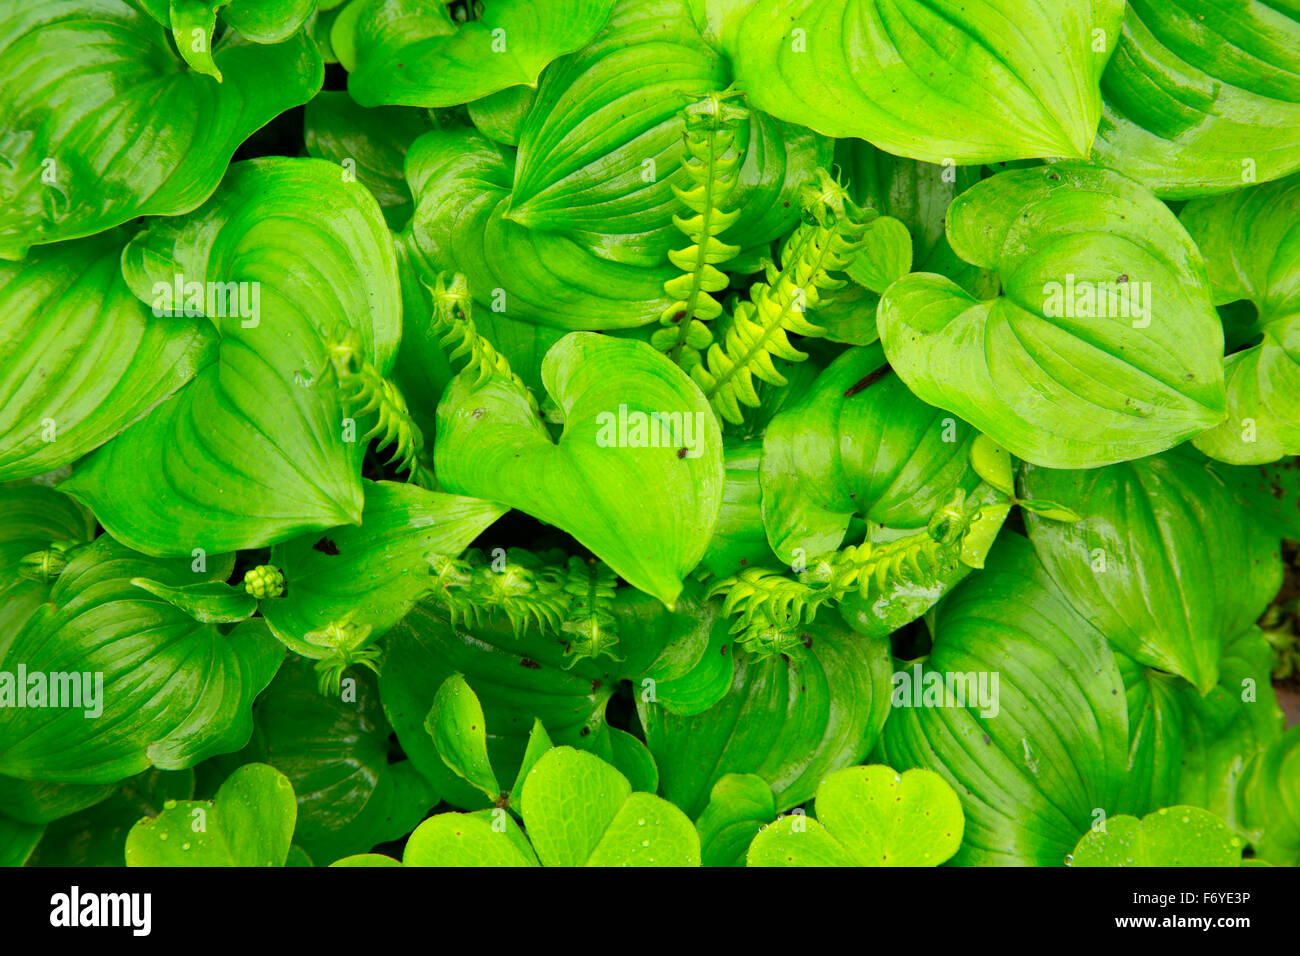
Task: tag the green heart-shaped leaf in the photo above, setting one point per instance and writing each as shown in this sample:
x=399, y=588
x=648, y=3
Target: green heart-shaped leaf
x=484, y=838
x=1145, y=562
x=649, y=496
x=256, y=449
x=868, y=816
x=957, y=82
x=142, y=682
x=123, y=140
x=1251, y=243
x=1104, y=346
x=373, y=573
x=411, y=53
x=80, y=357
x=1172, y=836
x=249, y=823
x=1203, y=99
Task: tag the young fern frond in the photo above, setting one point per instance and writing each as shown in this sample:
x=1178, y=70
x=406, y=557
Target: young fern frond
x=712, y=163
x=453, y=323
x=822, y=245
x=770, y=606
x=364, y=391
x=589, y=623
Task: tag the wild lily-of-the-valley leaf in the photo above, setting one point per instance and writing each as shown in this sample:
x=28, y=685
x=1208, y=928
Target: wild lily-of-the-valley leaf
x=1251, y=243
x=69, y=385
x=636, y=475
x=1202, y=99
x=957, y=82
x=134, y=662
x=1103, y=346
x=1159, y=532
x=121, y=138
x=255, y=449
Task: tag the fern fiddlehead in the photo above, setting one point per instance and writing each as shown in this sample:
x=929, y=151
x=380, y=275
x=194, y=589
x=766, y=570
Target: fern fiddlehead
x=823, y=244
x=364, y=391
x=712, y=163
x=770, y=606
x=453, y=323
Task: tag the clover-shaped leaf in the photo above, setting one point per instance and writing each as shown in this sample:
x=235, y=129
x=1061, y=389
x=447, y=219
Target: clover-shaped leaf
x=868, y=816
x=1171, y=836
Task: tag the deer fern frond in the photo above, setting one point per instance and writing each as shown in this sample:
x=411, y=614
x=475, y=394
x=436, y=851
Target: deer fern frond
x=589, y=622
x=711, y=161
x=823, y=245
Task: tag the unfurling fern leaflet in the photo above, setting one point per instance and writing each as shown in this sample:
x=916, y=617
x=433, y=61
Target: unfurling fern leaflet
x=824, y=244
x=453, y=323
x=364, y=391
x=712, y=163
x=770, y=606
x=590, y=622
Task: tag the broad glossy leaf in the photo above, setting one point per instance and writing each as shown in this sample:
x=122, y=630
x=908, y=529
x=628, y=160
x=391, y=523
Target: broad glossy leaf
x=249, y=823
x=369, y=144
x=1171, y=836
x=739, y=539
x=579, y=810
x=374, y=572
x=411, y=53
x=1050, y=747
x=1147, y=562
x=120, y=138
x=499, y=116
x=858, y=443
x=1251, y=243
x=155, y=686
x=461, y=182
x=1104, y=345
x=650, y=496
x=789, y=721
x=97, y=836
x=967, y=82
x=1269, y=493
x=80, y=357
x=255, y=449
x=335, y=751
x=459, y=731
x=192, y=23
x=868, y=816
x=1203, y=98
x=17, y=841
x=740, y=805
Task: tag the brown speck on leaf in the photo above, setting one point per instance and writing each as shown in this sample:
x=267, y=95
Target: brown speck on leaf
x=477, y=413
x=584, y=731
x=868, y=381
x=681, y=453
x=1123, y=278
x=326, y=546
x=595, y=685
x=807, y=640
x=531, y=664
x=724, y=650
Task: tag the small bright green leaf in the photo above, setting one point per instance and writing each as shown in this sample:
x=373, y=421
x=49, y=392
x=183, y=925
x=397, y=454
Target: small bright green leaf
x=992, y=463
x=459, y=731
x=371, y=574
x=122, y=140
x=212, y=602
x=647, y=831
x=249, y=823
x=740, y=804
x=886, y=255
x=1171, y=836
x=488, y=838
x=539, y=741
x=650, y=499
x=367, y=859
x=1104, y=346
x=942, y=82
